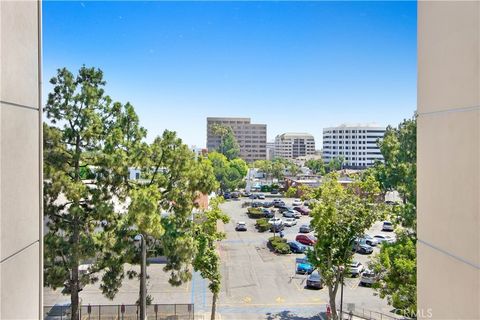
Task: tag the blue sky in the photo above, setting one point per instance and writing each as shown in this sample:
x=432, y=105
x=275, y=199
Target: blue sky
x=296, y=66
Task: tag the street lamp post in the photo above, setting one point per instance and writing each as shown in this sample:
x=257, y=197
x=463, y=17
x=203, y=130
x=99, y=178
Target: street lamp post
x=341, y=294
x=143, y=276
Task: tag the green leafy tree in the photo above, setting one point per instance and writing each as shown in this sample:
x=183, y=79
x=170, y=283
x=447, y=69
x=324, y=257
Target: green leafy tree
x=81, y=219
x=335, y=164
x=396, y=263
x=207, y=260
x=316, y=165
x=230, y=174
x=161, y=205
x=291, y=192
x=228, y=143
x=341, y=215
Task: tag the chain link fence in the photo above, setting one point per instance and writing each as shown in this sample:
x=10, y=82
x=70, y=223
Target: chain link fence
x=121, y=312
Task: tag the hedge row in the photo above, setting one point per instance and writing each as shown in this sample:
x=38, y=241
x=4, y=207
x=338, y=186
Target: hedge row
x=262, y=225
x=279, y=245
x=255, y=213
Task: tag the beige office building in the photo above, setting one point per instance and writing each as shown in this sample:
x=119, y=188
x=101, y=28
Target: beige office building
x=292, y=145
x=448, y=145
x=20, y=159
x=252, y=138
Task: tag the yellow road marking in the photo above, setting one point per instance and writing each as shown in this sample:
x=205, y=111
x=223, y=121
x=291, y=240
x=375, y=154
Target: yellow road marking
x=247, y=299
x=271, y=304
x=280, y=300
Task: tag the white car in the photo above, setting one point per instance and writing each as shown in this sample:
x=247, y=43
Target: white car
x=368, y=278
x=289, y=222
x=297, y=203
x=275, y=221
x=384, y=238
x=387, y=226
x=371, y=241
x=356, y=268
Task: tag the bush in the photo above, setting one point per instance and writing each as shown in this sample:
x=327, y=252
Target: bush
x=255, y=213
x=262, y=225
x=291, y=192
x=279, y=245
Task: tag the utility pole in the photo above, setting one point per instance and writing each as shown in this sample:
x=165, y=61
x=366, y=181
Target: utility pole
x=143, y=276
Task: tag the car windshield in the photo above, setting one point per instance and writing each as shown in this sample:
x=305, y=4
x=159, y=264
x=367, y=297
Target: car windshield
x=354, y=264
x=387, y=223
x=58, y=311
x=315, y=276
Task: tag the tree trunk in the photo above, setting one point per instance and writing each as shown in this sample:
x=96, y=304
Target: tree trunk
x=214, y=306
x=74, y=280
x=333, y=307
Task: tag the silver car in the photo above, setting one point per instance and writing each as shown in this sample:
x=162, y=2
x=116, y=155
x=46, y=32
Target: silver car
x=368, y=278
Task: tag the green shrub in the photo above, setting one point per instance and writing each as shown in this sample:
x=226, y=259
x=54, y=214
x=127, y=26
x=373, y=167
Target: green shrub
x=262, y=225
x=279, y=245
x=255, y=213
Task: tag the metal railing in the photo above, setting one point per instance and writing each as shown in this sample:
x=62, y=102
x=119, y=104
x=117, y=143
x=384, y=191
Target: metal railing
x=369, y=314
x=122, y=312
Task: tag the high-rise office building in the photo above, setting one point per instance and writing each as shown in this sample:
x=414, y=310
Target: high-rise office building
x=293, y=145
x=270, y=150
x=356, y=144
x=252, y=138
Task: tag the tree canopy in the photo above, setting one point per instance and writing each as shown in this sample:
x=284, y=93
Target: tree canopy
x=230, y=174
x=341, y=215
x=396, y=264
x=228, y=143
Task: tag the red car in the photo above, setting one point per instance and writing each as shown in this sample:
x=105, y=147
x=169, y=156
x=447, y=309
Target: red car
x=306, y=239
x=303, y=210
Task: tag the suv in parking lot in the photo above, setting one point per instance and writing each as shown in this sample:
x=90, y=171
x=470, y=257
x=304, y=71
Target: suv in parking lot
x=356, y=268
x=303, y=266
x=304, y=228
x=314, y=280
x=368, y=278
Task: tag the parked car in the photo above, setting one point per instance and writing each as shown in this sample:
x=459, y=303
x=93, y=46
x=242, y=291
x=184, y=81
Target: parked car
x=277, y=227
x=241, y=226
x=256, y=204
x=356, y=268
x=302, y=210
x=235, y=195
x=261, y=196
x=289, y=214
x=285, y=208
x=267, y=204
x=387, y=226
x=303, y=266
x=384, y=238
x=297, y=202
x=268, y=213
x=306, y=239
x=290, y=222
x=245, y=194
x=362, y=247
x=274, y=191
x=60, y=311
x=368, y=278
x=275, y=221
x=305, y=228
x=227, y=195
x=278, y=204
x=371, y=241
x=297, y=247
x=314, y=280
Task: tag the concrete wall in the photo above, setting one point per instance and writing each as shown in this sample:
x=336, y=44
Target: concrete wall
x=449, y=159
x=20, y=161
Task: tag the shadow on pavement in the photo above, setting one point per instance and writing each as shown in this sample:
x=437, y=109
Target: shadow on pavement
x=289, y=315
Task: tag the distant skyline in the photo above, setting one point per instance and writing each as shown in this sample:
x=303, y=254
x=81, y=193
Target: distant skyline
x=295, y=66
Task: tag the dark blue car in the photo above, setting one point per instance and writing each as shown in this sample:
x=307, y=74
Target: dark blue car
x=297, y=247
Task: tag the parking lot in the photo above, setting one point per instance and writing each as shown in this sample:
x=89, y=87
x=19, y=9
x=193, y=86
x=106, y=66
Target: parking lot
x=256, y=283
x=260, y=284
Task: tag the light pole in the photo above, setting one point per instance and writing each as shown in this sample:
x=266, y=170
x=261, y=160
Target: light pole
x=143, y=276
x=341, y=292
